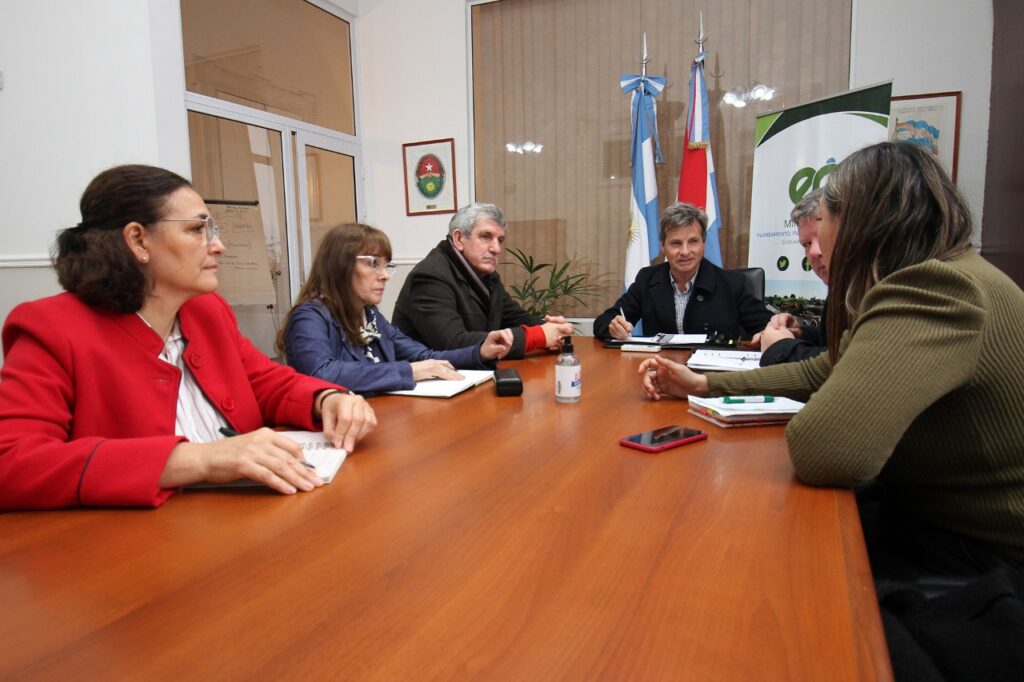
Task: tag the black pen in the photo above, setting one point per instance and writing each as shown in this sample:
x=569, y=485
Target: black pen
x=231, y=433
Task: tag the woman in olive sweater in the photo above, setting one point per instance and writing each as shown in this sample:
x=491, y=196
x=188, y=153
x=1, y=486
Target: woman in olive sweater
x=923, y=384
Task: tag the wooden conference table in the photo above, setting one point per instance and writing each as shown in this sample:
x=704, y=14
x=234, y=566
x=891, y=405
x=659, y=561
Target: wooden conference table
x=472, y=538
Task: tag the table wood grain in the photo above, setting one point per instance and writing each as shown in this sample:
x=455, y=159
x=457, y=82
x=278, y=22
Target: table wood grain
x=472, y=538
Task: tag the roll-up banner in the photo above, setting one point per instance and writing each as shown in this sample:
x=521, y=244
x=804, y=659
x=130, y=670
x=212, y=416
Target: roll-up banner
x=794, y=151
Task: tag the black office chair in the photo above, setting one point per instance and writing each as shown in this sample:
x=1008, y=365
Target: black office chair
x=754, y=280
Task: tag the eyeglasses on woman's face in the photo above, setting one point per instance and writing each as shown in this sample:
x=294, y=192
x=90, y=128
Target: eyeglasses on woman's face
x=377, y=264
x=206, y=227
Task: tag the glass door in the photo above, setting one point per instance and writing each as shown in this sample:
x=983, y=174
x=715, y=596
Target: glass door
x=327, y=196
x=239, y=170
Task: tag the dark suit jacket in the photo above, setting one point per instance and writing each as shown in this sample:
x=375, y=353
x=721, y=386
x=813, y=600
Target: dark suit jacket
x=719, y=302
x=812, y=342
x=439, y=306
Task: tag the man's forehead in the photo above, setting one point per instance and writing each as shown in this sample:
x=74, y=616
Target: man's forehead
x=486, y=225
x=809, y=226
x=684, y=232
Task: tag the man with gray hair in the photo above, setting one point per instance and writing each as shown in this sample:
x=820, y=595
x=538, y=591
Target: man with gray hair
x=785, y=338
x=454, y=296
x=686, y=294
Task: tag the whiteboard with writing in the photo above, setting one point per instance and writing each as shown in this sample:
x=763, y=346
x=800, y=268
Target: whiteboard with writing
x=244, y=275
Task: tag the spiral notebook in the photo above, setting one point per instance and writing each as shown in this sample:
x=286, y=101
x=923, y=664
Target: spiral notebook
x=316, y=450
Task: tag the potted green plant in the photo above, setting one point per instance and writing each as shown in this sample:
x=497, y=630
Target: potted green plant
x=563, y=284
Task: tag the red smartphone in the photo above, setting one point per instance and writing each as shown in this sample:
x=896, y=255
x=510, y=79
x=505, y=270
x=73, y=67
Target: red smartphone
x=662, y=439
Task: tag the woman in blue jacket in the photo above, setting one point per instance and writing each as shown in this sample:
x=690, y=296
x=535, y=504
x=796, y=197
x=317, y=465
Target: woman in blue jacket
x=334, y=330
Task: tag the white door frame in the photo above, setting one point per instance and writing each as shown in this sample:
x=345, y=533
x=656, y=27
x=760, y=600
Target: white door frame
x=305, y=134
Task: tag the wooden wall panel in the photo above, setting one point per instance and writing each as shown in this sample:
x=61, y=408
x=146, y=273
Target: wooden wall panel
x=549, y=72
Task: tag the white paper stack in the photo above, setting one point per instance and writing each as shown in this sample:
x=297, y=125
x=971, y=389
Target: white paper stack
x=717, y=411
x=446, y=388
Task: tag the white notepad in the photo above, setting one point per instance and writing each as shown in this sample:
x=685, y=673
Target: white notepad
x=316, y=450
x=446, y=388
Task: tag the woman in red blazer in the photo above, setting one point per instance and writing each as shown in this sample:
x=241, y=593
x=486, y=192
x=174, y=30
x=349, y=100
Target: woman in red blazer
x=117, y=391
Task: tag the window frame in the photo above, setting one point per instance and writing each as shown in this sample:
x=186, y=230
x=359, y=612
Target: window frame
x=296, y=200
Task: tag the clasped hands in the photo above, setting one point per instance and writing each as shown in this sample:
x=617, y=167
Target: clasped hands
x=781, y=326
x=555, y=327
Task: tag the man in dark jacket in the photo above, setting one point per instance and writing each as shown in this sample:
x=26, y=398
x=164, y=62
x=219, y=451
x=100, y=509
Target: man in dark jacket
x=786, y=339
x=686, y=294
x=454, y=297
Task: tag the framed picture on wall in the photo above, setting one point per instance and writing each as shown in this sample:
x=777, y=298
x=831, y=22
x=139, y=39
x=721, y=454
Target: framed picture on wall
x=430, y=177
x=931, y=120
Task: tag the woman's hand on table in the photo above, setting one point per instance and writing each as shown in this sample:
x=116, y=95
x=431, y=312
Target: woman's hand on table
x=262, y=455
x=663, y=378
x=346, y=417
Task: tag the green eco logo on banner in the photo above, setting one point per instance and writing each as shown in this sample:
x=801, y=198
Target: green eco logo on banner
x=807, y=179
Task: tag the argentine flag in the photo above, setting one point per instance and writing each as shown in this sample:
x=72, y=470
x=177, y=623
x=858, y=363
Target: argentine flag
x=697, y=184
x=644, y=152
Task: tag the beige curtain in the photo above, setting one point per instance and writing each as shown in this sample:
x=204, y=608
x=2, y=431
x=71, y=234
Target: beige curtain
x=547, y=72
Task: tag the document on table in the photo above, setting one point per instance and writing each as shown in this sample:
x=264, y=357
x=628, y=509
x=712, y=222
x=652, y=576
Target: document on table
x=446, y=388
x=724, y=360
x=679, y=339
x=778, y=405
x=316, y=451
x=760, y=411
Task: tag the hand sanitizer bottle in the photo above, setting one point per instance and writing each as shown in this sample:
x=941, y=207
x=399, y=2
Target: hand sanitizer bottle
x=568, y=377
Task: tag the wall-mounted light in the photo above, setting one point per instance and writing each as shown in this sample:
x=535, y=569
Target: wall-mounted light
x=739, y=96
x=528, y=147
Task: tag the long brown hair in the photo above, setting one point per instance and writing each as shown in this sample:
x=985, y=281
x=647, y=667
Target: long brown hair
x=895, y=207
x=330, y=278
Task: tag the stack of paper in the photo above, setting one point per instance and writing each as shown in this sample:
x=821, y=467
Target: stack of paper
x=446, y=388
x=727, y=414
x=724, y=360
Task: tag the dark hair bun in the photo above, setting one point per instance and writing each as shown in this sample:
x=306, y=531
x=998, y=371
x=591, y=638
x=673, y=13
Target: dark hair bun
x=71, y=240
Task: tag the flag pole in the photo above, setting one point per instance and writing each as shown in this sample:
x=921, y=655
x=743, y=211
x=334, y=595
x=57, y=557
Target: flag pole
x=701, y=35
x=644, y=60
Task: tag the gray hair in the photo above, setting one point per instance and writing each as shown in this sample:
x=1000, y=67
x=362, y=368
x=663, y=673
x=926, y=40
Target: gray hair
x=808, y=207
x=466, y=218
x=681, y=214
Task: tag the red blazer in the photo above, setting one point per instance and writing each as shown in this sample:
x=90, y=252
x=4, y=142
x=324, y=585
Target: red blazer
x=87, y=407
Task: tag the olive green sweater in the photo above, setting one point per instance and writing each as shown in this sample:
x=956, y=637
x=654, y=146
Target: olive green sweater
x=927, y=394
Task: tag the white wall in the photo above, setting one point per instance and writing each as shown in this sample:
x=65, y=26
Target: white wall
x=87, y=85
x=412, y=79
x=933, y=46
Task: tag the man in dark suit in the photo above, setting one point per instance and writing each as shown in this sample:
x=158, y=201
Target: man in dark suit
x=686, y=294
x=785, y=338
x=454, y=297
